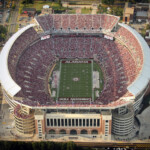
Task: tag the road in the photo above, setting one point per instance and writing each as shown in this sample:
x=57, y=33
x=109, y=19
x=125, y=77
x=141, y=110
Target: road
x=13, y=19
x=4, y=17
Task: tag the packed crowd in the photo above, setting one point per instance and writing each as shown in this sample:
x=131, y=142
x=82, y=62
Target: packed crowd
x=135, y=49
x=32, y=69
x=30, y=65
x=18, y=47
x=77, y=22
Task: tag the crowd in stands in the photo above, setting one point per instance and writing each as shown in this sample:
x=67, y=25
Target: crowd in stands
x=135, y=49
x=18, y=47
x=30, y=65
x=77, y=22
x=31, y=71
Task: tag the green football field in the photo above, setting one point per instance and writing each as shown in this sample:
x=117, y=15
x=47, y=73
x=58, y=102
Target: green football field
x=75, y=80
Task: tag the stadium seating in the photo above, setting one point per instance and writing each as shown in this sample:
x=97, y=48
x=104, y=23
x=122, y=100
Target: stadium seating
x=32, y=70
x=29, y=65
x=20, y=44
x=77, y=22
x=131, y=42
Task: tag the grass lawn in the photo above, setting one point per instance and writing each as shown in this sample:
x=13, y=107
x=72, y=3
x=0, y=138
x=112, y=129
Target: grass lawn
x=86, y=11
x=72, y=11
x=82, y=86
x=68, y=87
x=83, y=2
x=17, y=26
x=38, y=5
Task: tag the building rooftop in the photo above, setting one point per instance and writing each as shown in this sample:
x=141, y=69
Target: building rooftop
x=142, y=14
x=129, y=10
x=29, y=9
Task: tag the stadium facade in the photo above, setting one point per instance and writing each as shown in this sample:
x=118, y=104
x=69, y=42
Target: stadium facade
x=28, y=60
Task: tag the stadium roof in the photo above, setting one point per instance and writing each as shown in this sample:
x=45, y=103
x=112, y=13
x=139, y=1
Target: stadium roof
x=5, y=78
x=144, y=76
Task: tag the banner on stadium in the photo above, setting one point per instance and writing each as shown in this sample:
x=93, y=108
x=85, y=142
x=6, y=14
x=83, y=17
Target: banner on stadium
x=75, y=99
x=108, y=37
x=76, y=61
x=45, y=37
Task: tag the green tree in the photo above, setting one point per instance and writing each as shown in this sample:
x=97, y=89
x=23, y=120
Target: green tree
x=21, y=145
x=148, y=27
x=117, y=11
x=3, y=33
x=28, y=146
x=7, y=145
x=71, y=146
x=108, y=2
x=143, y=32
x=138, y=1
x=3, y=36
x=42, y=145
x=50, y=145
x=14, y=6
x=59, y=2
x=63, y=146
x=35, y=145
x=28, y=2
x=102, y=9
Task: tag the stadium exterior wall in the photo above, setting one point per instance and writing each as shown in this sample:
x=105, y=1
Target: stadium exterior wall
x=143, y=78
x=122, y=124
x=141, y=84
x=118, y=124
x=6, y=80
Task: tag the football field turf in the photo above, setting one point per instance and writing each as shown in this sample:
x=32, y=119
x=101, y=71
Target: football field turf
x=75, y=80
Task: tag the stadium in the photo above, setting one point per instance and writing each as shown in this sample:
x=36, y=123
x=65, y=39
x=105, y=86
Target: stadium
x=75, y=76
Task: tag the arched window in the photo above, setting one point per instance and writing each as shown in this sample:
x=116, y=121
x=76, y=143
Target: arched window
x=94, y=132
x=62, y=132
x=73, y=132
x=51, y=131
x=83, y=132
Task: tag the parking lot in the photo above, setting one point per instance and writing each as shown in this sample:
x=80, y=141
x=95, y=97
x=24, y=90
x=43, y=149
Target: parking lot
x=4, y=16
x=6, y=122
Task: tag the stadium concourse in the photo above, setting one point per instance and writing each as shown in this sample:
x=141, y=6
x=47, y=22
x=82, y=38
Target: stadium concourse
x=30, y=59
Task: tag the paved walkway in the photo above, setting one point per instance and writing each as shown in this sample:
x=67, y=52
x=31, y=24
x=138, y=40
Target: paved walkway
x=6, y=122
x=78, y=11
x=94, y=11
x=144, y=119
x=13, y=19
